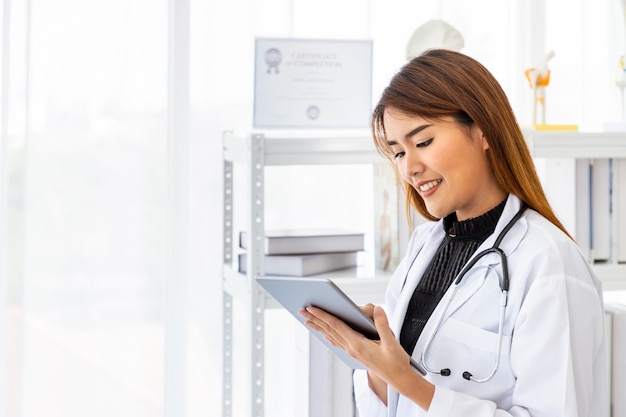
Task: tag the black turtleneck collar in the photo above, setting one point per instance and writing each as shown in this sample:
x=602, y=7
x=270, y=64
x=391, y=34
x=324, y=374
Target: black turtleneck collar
x=476, y=228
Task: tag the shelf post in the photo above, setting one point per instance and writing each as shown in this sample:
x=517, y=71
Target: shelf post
x=255, y=268
x=227, y=302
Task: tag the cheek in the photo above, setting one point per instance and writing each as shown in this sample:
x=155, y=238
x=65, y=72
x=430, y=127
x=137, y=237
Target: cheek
x=447, y=162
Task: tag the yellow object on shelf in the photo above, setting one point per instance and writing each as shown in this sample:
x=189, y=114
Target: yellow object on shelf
x=545, y=126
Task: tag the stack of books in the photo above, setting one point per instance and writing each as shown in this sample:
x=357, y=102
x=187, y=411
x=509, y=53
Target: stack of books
x=306, y=252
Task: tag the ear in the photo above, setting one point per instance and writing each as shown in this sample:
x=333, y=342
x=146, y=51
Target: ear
x=477, y=134
x=485, y=142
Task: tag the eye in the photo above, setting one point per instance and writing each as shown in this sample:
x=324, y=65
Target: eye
x=424, y=144
x=398, y=155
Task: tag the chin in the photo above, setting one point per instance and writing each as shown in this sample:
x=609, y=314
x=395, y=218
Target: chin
x=437, y=212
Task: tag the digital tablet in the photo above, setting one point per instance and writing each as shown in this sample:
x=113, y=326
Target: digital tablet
x=297, y=293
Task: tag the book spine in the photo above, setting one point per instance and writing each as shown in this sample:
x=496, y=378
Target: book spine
x=619, y=208
x=608, y=340
x=601, y=213
x=618, y=362
x=582, y=206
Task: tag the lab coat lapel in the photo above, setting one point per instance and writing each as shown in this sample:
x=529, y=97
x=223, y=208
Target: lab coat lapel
x=423, y=255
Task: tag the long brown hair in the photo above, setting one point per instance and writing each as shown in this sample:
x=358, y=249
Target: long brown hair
x=442, y=83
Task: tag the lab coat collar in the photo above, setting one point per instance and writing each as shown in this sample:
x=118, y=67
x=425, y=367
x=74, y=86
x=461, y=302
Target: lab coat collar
x=510, y=242
x=517, y=232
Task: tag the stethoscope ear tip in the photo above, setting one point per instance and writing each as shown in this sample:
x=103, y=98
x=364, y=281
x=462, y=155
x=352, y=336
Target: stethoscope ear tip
x=445, y=372
x=467, y=375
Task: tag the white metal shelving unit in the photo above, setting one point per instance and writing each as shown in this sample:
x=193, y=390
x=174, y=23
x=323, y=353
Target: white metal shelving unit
x=255, y=152
x=584, y=145
x=565, y=144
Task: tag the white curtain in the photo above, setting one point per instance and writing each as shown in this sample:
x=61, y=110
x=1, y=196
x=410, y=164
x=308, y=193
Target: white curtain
x=111, y=115
x=102, y=292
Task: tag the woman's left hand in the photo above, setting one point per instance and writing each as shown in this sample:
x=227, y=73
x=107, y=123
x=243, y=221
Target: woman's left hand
x=384, y=357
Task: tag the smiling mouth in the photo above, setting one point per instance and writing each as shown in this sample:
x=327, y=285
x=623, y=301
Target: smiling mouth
x=429, y=185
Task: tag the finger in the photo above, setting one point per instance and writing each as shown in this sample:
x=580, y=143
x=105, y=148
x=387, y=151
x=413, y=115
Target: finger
x=382, y=325
x=317, y=326
x=318, y=312
x=368, y=310
x=328, y=325
x=315, y=314
x=323, y=318
x=328, y=337
x=313, y=322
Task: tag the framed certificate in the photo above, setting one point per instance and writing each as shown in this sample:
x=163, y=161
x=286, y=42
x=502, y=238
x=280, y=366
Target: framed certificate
x=302, y=83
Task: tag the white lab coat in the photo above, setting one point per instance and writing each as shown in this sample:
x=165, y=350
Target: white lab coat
x=553, y=360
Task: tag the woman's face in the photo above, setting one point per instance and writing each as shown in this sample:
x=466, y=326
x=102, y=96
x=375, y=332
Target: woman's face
x=445, y=162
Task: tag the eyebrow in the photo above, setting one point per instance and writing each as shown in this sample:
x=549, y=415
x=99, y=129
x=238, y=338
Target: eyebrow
x=410, y=134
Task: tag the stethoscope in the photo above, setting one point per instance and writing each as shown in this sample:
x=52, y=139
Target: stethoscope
x=504, y=287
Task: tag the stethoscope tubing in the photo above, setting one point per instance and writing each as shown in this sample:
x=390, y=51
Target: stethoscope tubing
x=504, y=287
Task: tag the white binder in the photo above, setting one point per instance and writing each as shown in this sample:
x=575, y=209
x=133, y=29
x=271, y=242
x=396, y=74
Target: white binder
x=567, y=185
x=608, y=335
x=582, y=211
x=600, y=208
x=619, y=208
x=617, y=359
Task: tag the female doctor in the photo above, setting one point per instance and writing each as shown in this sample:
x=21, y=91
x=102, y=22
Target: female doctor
x=493, y=301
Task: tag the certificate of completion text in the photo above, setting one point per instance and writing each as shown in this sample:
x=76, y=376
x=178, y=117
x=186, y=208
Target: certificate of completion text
x=312, y=83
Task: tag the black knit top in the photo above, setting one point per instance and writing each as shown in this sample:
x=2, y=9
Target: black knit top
x=461, y=241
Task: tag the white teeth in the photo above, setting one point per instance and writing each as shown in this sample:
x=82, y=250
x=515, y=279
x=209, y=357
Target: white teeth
x=429, y=185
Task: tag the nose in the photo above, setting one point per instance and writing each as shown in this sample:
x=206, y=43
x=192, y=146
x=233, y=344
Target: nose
x=413, y=165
